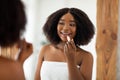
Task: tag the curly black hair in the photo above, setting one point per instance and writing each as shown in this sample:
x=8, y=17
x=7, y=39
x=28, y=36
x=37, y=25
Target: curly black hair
x=12, y=21
x=85, y=28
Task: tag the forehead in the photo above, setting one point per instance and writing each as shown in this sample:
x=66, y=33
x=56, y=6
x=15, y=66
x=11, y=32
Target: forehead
x=67, y=16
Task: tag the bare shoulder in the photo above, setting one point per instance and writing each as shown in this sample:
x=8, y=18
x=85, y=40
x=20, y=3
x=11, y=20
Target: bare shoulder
x=88, y=55
x=86, y=64
x=44, y=49
x=85, y=56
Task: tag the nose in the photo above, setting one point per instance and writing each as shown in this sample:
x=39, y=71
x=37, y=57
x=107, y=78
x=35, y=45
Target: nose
x=66, y=27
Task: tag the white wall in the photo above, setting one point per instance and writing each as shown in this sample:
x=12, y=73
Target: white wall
x=37, y=11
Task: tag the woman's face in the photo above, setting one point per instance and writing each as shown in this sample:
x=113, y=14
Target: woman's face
x=66, y=27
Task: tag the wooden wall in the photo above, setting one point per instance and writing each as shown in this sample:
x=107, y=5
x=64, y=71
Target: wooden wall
x=118, y=51
x=106, y=42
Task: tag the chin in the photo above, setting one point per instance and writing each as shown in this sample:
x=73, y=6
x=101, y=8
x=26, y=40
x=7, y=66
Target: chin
x=63, y=40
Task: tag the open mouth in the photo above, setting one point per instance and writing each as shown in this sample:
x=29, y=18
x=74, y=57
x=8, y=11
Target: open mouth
x=64, y=35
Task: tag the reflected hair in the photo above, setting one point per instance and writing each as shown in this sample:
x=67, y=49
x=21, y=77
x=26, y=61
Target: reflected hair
x=84, y=31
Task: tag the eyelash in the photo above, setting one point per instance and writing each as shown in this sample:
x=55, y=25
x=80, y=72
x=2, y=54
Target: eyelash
x=61, y=23
x=71, y=24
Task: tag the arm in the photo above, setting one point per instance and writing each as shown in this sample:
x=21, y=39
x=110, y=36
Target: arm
x=39, y=64
x=85, y=71
x=86, y=66
x=26, y=51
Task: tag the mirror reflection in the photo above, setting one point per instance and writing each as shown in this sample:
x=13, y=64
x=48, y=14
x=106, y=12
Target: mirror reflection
x=37, y=12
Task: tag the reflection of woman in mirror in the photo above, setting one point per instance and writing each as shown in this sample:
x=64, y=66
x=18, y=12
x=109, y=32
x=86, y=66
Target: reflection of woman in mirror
x=12, y=26
x=63, y=59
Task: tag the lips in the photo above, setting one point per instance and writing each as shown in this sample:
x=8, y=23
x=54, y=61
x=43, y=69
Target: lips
x=65, y=34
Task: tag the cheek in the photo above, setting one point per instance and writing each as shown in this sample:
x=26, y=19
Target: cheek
x=74, y=32
x=59, y=28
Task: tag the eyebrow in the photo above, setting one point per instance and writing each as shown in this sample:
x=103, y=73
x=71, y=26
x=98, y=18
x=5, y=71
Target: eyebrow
x=70, y=20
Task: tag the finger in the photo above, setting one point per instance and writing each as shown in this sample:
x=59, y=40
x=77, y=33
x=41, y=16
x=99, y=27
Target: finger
x=73, y=44
x=69, y=45
x=68, y=39
x=65, y=48
x=21, y=43
x=26, y=45
x=29, y=46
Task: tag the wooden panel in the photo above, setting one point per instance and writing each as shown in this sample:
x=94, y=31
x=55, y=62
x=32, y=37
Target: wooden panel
x=106, y=42
x=118, y=53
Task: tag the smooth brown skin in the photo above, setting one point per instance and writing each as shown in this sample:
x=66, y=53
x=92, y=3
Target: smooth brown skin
x=67, y=52
x=13, y=70
x=26, y=50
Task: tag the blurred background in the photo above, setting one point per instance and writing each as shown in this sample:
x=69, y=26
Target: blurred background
x=37, y=12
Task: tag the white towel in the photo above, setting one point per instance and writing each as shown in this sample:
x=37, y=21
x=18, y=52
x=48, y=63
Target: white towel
x=54, y=71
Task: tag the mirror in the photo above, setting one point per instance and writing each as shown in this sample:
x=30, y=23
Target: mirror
x=37, y=11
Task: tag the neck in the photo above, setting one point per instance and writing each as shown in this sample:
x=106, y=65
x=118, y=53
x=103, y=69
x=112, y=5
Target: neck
x=9, y=52
x=60, y=45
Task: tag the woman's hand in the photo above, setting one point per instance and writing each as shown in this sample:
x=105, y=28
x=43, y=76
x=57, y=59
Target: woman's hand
x=26, y=50
x=70, y=50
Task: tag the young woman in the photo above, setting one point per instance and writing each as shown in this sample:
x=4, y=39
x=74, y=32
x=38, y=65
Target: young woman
x=63, y=59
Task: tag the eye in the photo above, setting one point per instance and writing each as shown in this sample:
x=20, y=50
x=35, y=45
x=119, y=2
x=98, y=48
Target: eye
x=72, y=24
x=61, y=23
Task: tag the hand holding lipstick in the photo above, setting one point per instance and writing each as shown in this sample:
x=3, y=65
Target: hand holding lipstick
x=70, y=49
x=68, y=38
x=26, y=50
